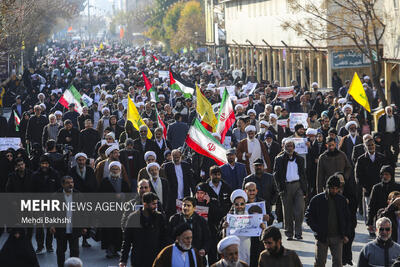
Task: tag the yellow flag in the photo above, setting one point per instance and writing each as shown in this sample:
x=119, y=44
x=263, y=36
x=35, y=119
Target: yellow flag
x=134, y=117
x=205, y=110
x=357, y=91
x=94, y=49
x=101, y=47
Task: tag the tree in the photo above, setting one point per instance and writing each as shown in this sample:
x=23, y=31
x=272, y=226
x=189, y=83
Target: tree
x=359, y=22
x=191, y=27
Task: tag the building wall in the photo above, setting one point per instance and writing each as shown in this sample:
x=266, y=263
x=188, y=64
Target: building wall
x=392, y=34
x=260, y=19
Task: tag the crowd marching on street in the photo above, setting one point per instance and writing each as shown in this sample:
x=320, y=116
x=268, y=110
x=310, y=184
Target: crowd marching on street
x=216, y=160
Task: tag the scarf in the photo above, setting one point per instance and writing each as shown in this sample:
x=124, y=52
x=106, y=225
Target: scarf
x=191, y=259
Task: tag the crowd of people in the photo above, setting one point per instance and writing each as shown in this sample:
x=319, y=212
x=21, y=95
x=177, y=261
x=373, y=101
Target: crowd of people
x=348, y=167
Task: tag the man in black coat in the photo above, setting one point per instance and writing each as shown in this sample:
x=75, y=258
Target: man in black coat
x=201, y=233
x=162, y=145
x=159, y=185
x=265, y=182
x=177, y=131
x=379, y=194
x=219, y=189
x=328, y=217
x=290, y=178
x=142, y=144
x=35, y=126
x=145, y=234
x=67, y=232
x=20, y=180
x=131, y=159
x=360, y=149
x=273, y=147
x=71, y=115
x=388, y=126
x=367, y=170
x=45, y=180
x=88, y=138
x=69, y=135
x=180, y=178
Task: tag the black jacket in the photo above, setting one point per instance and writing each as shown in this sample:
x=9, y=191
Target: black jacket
x=35, y=127
x=378, y=198
x=125, y=156
x=85, y=184
x=88, y=138
x=16, y=184
x=367, y=172
x=382, y=123
x=165, y=192
x=317, y=215
x=201, y=233
x=273, y=151
x=266, y=188
x=223, y=198
x=73, y=133
x=390, y=212
x=46, y=182
x=146, y=239
x=149, y=146
x=359, y=150
x=280, y=169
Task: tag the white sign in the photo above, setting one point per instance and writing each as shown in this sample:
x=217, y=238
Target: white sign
x=282, y=122
x=231, y=90
x=300, y=145
x=260, y=204
x=249, y=88
x=244, y=225
x=243, y=101
x=298, y=118
x=125, y=103
x=10, y=142
x=216, y=74
x=285, y=92
x=87, y=100
x=164, y=74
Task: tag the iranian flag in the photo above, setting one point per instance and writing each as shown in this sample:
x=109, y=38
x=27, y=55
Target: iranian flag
x=149, y=88
x=201, y=141
x=226, y=116
x=177, y=83
x=71, y=95
x=17, y=121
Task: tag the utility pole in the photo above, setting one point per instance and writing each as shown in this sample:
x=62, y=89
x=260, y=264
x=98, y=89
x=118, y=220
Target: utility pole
x=88, y=13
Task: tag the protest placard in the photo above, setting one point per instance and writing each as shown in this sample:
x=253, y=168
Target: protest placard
x=244, y=225
x=201, y=210
x=243, y=101
x=260, y=204
x=285, y=92
x=249, y=88
x=10, y=142
x=164, y=74
x=282, y=123
x=231, y=90
x=298, y=118
x=300, y=145
x=87, y=100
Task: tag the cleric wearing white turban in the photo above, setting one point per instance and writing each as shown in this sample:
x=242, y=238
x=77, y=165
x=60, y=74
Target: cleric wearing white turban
x=229, y=250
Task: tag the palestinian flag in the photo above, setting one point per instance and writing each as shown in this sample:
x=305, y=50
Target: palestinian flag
x=155, y=59
x=201, y=141
x=149, y=88
x=67, y=68
x=161, y=124
x=226, y=116
x=17, y=121
x=71, y=95
x=177, y=83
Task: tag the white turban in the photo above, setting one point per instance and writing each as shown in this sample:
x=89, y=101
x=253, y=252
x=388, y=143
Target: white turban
x=238, y=106
x=250, y=128
x=238, y=193
x=226, y=242
x=265, y=123
x=366, y=78
x=314, y=84
x=104, y=109
x=114, y=163
x=81, y=154
x=152, y=165
x=346, y=107
x=342, y=100
x=111, y=149
x=273, y=115
x=251, y=111
x=148, y=154
x=112, y=134
x=109, y=96
x=58, y=112
x=311, y=131
x=347, y=126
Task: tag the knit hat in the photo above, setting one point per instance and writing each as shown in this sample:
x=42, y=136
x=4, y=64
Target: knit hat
x=387, y=168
